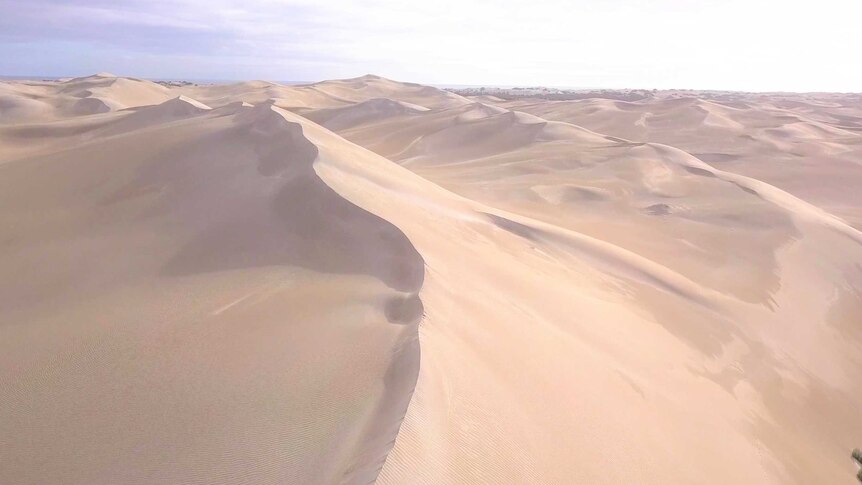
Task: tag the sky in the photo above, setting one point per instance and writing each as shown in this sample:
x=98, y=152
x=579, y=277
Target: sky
x=756, y=45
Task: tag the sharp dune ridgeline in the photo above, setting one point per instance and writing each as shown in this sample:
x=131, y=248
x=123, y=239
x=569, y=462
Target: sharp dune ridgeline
x=366, y=280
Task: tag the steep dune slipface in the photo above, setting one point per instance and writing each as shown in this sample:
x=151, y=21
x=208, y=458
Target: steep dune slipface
x=723, y=273
x=193, y=303
x=342, y=93
x=370, y=87
x=29, y=101
x=238, y=294
x=256, y=92
x=121, y=91
x=784, y=140
x=364, y=112
x=29, y=139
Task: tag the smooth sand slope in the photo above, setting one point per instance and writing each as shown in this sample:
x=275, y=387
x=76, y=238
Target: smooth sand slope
x=785, y=140
x=363, y=280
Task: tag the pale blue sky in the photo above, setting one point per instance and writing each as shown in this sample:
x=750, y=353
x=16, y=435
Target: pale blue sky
x=708, y=44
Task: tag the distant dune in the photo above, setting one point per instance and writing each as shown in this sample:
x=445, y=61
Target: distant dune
x=366, y=280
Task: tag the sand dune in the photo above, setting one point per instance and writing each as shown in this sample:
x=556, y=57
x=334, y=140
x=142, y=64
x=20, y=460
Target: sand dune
x=370, y=87
x=365, y=280
x=364, y=112
x=100, y=93
x=215, y=266
x=784, y=142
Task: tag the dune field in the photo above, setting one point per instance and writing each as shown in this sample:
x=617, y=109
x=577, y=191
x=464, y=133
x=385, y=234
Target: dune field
x=365, y=280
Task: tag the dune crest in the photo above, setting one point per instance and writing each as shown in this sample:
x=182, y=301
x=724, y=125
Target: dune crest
x=365, y=280
x=271, y=259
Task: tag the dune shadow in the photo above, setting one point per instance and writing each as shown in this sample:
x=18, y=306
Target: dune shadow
x=303, y=223
x=513, y=227
x=699, y=172
x=404, y=309
x=288, y=216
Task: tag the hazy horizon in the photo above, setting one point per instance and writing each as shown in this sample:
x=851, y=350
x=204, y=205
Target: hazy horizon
x=290, y=271
x=34, y=77
x=670, y=44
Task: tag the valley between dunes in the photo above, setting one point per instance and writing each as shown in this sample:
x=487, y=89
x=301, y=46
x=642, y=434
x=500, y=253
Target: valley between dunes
x=365, y=280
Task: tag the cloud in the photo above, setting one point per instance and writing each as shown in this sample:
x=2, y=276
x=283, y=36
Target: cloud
x=754, y=44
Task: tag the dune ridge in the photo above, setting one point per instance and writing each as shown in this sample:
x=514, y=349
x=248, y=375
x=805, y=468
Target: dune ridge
x=274, y=213
x=365, y=280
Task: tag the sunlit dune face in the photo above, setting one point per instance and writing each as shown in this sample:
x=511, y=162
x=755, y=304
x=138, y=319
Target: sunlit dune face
x=365, y=280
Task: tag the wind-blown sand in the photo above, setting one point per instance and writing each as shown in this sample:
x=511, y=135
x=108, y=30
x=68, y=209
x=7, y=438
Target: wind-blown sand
x=363, y=279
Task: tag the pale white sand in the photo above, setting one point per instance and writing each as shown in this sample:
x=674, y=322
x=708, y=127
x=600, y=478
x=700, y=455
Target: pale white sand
x=364, y=279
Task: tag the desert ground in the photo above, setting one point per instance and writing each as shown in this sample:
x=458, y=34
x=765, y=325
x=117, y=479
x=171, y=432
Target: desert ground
x=367, y=280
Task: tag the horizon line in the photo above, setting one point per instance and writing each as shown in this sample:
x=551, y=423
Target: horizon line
x=36, y=77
